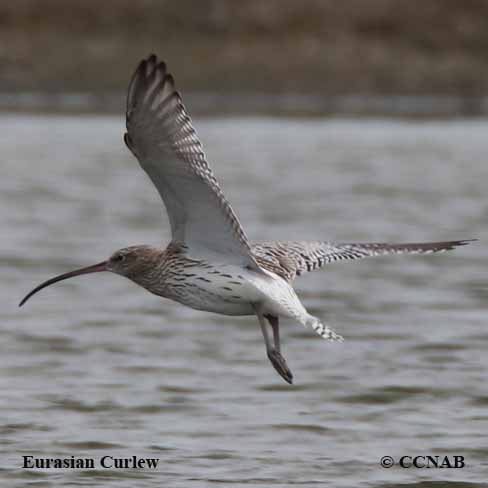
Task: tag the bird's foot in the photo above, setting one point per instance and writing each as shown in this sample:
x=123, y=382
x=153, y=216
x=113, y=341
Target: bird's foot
x=279, y=363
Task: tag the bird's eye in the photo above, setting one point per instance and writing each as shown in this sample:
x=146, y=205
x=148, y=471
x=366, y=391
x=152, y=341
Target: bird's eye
x=119, y=257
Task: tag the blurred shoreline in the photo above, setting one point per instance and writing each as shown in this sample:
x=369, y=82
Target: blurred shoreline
x=313, y=57
x=289, y=105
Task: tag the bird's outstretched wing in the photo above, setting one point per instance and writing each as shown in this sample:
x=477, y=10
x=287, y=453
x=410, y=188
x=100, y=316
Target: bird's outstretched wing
x=161, y=136
x=293, y=258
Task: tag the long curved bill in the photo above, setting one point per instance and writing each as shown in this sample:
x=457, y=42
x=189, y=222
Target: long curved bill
x=89, y=269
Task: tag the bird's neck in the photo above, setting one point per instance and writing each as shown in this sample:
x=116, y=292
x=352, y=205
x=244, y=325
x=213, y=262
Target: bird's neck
x=158, y=268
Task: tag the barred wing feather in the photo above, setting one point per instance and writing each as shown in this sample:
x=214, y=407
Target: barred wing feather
x=161, y=136
x=293, y=258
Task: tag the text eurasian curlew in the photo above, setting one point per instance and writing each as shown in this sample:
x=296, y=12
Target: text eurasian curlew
x=210, y=264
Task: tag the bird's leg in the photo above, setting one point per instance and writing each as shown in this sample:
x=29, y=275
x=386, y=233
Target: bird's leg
x=273, y=350
x=275, y=325
x=277, y=359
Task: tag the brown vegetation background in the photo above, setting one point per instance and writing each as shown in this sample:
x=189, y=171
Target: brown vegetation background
x=325, y=47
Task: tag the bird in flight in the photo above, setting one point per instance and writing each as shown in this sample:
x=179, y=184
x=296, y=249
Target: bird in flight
x=210, y=264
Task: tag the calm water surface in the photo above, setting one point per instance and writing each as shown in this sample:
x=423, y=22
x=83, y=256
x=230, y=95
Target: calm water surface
x=96, y=366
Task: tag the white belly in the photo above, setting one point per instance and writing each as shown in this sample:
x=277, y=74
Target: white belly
x=210, y=302
x=228, y=291
x=233, y=290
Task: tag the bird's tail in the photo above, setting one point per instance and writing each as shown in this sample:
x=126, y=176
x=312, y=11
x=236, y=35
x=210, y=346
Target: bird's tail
x=322, y=330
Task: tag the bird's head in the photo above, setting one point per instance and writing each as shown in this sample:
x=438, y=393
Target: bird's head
x=123, y=261
x=131, y=262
